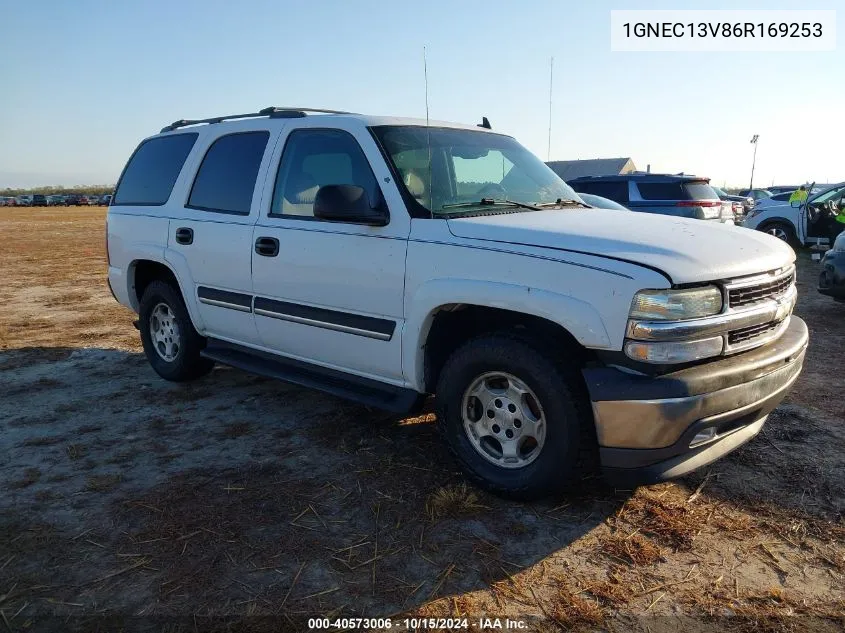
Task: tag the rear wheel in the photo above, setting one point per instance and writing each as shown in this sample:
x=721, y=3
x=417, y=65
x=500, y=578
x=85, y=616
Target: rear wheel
x=171, y=343
x=512, y=415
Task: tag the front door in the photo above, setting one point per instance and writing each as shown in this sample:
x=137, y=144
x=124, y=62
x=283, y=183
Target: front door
x=330, y=292
x=818, y=216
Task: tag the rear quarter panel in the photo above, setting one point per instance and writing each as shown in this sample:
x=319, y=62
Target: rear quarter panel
x=132, y=236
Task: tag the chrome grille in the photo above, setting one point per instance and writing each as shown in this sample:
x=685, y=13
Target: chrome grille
x=737, y=337
x=755, y=293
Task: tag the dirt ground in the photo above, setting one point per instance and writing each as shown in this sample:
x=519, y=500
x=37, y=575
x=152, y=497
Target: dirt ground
x=239, y=503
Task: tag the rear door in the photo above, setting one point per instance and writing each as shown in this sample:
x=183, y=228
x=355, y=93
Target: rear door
x=210, y=233
x=330, y=292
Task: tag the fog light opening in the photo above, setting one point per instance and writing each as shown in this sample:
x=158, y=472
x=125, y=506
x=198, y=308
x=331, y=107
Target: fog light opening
x=703, y=436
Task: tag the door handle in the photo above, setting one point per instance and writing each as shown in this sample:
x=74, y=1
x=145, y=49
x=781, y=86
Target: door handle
x=184, y=235
x=267, y=246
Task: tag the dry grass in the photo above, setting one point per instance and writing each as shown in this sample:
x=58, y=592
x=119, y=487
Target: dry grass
x=609, y=592
x=670, y=521
x=452, y=501
x=772, y=610
x=571, y=610
x=56, y=278
x=633, y=549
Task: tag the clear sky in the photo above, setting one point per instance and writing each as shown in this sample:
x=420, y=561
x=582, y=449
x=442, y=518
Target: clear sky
x=82, y=82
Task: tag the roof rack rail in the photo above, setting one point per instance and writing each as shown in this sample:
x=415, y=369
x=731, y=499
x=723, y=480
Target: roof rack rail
x=272, y=112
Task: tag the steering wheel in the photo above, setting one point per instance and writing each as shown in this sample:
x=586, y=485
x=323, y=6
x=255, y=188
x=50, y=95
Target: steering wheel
x=493, y=190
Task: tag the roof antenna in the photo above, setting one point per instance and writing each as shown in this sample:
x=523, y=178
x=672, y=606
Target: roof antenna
x=485, y=123
x=551, y=77
x=425, y=75
x=427, y=129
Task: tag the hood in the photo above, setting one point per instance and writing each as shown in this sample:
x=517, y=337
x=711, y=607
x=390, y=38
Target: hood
x=685, y=250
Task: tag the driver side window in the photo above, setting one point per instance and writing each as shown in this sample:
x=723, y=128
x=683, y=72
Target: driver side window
x=313, y=158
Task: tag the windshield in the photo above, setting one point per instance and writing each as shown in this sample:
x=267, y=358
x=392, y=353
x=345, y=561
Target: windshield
x=464, y=167
x=830, y=194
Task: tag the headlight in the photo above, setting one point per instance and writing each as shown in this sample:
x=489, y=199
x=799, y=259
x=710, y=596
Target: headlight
x=675, y=305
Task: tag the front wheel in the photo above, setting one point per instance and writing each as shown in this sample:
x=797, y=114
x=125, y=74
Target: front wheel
x=171, y=343
x=780, y=230
x=514, y=416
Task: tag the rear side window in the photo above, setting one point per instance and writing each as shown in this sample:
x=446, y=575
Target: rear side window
x=150, y=174
x=678, y=190
x=616, y=190
x=226, y=179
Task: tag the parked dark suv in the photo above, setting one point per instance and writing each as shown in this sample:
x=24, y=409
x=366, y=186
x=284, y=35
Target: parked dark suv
x=667, y=194
x=39, y=200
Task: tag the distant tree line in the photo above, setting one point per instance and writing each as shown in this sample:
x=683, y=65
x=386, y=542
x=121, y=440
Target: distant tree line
x=49, y=190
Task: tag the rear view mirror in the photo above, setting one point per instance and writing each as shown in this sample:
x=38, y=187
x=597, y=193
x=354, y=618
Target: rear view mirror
x=348, y=203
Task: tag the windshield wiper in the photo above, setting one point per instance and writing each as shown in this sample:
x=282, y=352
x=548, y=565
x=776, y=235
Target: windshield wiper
x=561, y=202
x=490, y=202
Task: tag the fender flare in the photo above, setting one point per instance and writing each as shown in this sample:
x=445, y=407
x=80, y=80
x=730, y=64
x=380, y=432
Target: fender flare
x=577, y=317
x=180, y=272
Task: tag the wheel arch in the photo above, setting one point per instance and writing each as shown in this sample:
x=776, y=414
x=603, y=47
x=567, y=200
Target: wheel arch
x=142, y=272
x=788, y=224
x=436, y=326
x=777, y=220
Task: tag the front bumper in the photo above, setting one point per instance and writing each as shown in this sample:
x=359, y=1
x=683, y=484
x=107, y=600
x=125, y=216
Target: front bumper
x=832, y=276
x=645, y=424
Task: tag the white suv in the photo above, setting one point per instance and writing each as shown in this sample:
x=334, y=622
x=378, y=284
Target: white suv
x=384, y=259
x=809, y=222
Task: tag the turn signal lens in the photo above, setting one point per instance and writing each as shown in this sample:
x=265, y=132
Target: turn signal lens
x=669, y=353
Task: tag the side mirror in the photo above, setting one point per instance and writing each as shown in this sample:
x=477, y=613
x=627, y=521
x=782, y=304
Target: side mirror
x=348, y=203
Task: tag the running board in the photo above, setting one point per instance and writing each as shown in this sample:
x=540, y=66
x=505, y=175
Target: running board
x=363, y=390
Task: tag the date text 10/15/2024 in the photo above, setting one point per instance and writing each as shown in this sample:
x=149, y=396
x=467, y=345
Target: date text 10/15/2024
x=417, y=624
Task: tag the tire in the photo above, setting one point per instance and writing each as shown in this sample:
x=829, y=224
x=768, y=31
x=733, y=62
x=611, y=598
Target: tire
x=556, y=387
x=171, y=343
x=781, y=230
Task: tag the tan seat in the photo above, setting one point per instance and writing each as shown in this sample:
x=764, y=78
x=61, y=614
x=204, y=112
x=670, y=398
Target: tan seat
x=415, y=184
x=299, y=194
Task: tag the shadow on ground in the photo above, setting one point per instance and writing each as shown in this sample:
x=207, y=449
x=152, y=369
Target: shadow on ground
x=236, y=495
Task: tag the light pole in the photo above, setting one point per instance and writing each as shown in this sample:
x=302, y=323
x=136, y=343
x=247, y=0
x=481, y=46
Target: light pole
x=754, y=160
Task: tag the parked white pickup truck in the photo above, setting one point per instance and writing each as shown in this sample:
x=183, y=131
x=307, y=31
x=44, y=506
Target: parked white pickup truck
x=385, y=259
